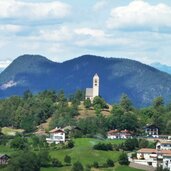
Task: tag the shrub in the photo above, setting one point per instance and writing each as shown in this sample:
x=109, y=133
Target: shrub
x=123, y=159
x=110, y=163
x=56, y=163
x=102, y=146
x=70, y=144
x=67, y=160
x=143, y=143
x=77, y=167
x=96, y=164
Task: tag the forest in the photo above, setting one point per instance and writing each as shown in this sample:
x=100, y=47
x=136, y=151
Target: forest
x=29, y=111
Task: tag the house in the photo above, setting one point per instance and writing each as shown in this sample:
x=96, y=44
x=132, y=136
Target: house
x=151, y=130
x=152, y=157
x=167, y=161
x=93, y=92
x=57, y=136
x=4, y=158
x=117, y=134
x=163, y=145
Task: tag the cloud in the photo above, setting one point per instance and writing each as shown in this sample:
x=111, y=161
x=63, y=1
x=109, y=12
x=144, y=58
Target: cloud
x=90, y=32
x=10, y=28
x=58, y=34
x=100, y=5
x=8, y=85
x=4, y=64
x=91, y=38
x=17, y=9
x=140, y=15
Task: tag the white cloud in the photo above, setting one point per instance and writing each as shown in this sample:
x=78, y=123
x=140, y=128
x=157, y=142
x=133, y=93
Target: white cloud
x=10, y=28
x=141, y=15
x=33, y=10
x=8, y=85
x=89, y=37
x=90, y=32
x=100, y=5
x=57, y=34
x=4, y=64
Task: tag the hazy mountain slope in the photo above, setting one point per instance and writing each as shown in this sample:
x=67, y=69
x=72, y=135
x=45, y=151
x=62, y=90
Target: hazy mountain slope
x=162, y=67
x=141, y=82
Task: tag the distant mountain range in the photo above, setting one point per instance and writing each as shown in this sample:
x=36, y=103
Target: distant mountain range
x=162, y=67
x=142, y=83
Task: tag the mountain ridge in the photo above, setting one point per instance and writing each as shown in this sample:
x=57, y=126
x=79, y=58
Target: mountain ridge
x=141, y=82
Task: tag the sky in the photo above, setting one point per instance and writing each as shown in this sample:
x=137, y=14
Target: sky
x=65, y=29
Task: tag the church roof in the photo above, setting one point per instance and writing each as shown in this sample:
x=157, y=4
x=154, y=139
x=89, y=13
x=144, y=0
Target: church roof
x=89, y=92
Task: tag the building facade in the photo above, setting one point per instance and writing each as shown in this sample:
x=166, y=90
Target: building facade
x=93, y=92
x=119, y=134
x=57, y=136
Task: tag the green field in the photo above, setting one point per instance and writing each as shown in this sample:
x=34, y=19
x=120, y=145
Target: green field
x=83, y=152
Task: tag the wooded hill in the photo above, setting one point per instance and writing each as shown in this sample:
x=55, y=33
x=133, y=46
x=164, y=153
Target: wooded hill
x=140, y=82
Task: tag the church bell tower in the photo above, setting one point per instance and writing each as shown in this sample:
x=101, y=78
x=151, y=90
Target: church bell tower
x=96, y=82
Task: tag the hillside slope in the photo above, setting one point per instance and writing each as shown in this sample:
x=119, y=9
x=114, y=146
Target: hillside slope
x=141, y=82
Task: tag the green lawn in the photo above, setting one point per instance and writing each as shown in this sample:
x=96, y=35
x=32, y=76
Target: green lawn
x=83, y=152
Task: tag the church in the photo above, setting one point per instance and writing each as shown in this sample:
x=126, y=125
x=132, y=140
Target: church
x=93, y=92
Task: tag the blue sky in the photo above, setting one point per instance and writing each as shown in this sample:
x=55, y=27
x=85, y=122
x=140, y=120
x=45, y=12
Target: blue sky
x=64, y=29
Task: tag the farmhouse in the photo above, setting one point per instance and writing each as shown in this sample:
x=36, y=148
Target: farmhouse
x=117, y=134
x=57, y=136
x=163, y=145
x=4, y=158
x=151, y=130
x=93, y=92
x=153, y=157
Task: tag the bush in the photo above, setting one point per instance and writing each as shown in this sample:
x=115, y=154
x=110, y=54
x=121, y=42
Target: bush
x=67, y=160
x=133, y=155
x=70, y=144
x=130, y=144
x=95, y=164
x=110, y=163
x=123, y=159
x=56, y=163
x=143, y=143
x=77, y=167
x=102, y=146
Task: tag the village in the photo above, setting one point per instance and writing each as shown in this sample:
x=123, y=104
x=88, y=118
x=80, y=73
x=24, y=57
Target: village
x=150, y=157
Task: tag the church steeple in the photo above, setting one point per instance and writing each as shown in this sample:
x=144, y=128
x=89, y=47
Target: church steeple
x=96, y=82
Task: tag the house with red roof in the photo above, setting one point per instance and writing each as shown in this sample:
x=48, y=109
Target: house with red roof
x=57, y=136
x=119, y=134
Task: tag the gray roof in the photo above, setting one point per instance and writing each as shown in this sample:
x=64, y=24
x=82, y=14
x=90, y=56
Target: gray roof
x=4, y=155
x=89, y=92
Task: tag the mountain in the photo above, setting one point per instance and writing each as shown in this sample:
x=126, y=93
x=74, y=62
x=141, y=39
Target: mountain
x=141, y=82
x=1, y=69
x=162, y=67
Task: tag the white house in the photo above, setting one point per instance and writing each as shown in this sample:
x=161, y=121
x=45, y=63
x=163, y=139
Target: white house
x=154, y=157
x=163, y=145
x=57, y=136
x=167, y=161
x=117, y=134
x=93, y=92
x=152, y=130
